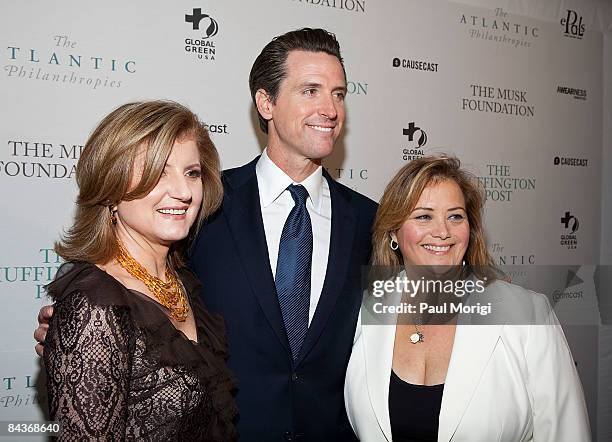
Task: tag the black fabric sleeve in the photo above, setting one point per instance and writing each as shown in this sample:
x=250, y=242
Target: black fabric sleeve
x=88, y=358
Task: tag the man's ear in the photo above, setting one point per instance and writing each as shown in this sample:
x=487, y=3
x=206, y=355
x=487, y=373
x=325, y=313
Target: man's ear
x=264, y=104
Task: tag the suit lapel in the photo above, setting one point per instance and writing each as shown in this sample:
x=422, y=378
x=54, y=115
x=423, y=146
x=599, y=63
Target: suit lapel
x=243, y=212
x=472, y=350
x=340, y=247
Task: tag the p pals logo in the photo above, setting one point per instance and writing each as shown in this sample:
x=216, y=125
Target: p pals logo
x=572, y=25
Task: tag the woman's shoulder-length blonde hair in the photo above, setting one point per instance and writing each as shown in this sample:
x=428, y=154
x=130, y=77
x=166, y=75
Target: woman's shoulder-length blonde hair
x=105, y=169
x=401, y=196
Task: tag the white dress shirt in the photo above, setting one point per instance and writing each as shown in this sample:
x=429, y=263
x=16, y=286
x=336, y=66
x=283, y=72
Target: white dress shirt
x=276, y=203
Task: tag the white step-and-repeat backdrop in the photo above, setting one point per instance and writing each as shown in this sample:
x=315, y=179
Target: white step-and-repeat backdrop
x=515, y=90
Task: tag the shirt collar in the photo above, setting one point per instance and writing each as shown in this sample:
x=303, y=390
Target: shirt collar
x=272, y=182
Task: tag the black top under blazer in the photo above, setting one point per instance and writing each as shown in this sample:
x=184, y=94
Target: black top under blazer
x=277, y=399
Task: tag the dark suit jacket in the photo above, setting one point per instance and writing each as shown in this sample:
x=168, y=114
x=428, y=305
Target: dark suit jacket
x=277, y=399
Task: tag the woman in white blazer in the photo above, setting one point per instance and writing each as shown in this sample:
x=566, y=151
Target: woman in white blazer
x=456, y=382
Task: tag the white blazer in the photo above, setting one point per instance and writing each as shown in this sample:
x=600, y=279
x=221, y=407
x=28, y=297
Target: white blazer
x=504, y=382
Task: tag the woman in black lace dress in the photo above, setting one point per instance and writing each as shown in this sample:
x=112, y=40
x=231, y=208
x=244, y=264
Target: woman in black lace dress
x=131, y=353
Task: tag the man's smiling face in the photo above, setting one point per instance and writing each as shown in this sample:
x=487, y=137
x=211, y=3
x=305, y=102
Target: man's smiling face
x=308, y=114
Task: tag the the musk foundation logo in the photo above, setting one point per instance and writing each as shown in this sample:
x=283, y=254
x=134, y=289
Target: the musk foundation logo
x=500, y=185
x=63, y=61
x=418, y=65
x=201, y=47
x=572, y=25
x=40, y=160
x=570, y=224
x=497, y=100
x=417, y=139
x=568, y=161
x=578, y=94
x=500, y=29
x=344, y=5
x=356, y=88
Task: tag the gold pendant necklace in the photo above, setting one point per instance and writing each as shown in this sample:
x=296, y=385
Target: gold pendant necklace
x=170, y=294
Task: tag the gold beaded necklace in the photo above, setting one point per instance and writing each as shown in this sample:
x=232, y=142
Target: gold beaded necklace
x=170, y=294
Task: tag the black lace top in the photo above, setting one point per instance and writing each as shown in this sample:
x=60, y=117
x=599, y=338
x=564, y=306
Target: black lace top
x=117, y=369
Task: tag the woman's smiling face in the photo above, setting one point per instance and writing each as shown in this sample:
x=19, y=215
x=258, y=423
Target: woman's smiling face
x=437, y=231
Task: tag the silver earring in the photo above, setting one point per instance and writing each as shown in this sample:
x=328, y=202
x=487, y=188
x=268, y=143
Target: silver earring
x=393, y=244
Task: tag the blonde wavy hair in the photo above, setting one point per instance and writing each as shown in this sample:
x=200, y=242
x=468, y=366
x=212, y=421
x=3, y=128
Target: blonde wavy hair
x=105, y=169
x=401, y=196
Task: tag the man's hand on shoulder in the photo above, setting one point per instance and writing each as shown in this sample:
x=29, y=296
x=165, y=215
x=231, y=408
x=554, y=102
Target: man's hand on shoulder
x=44, y=316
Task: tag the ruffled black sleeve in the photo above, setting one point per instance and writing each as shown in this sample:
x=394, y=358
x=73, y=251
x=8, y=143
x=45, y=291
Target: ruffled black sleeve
x=87, y=358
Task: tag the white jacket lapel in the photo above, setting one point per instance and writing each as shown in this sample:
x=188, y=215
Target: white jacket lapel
x=378, y=339
x=472, y=350
x=378, y=347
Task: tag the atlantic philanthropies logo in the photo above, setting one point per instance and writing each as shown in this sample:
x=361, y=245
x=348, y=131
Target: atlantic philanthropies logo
x=501, y=29
x=63, y=60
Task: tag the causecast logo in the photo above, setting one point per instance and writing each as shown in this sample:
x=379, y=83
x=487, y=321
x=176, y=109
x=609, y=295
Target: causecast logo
x=417, y=65
x=217, y=128
x=568, y=161
x=204, y=27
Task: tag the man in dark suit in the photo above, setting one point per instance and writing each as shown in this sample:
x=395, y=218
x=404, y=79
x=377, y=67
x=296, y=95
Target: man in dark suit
x=289, y=388
x=281, y=260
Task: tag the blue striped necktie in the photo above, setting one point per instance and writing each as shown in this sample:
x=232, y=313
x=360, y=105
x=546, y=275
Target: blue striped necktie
x=293, y=270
